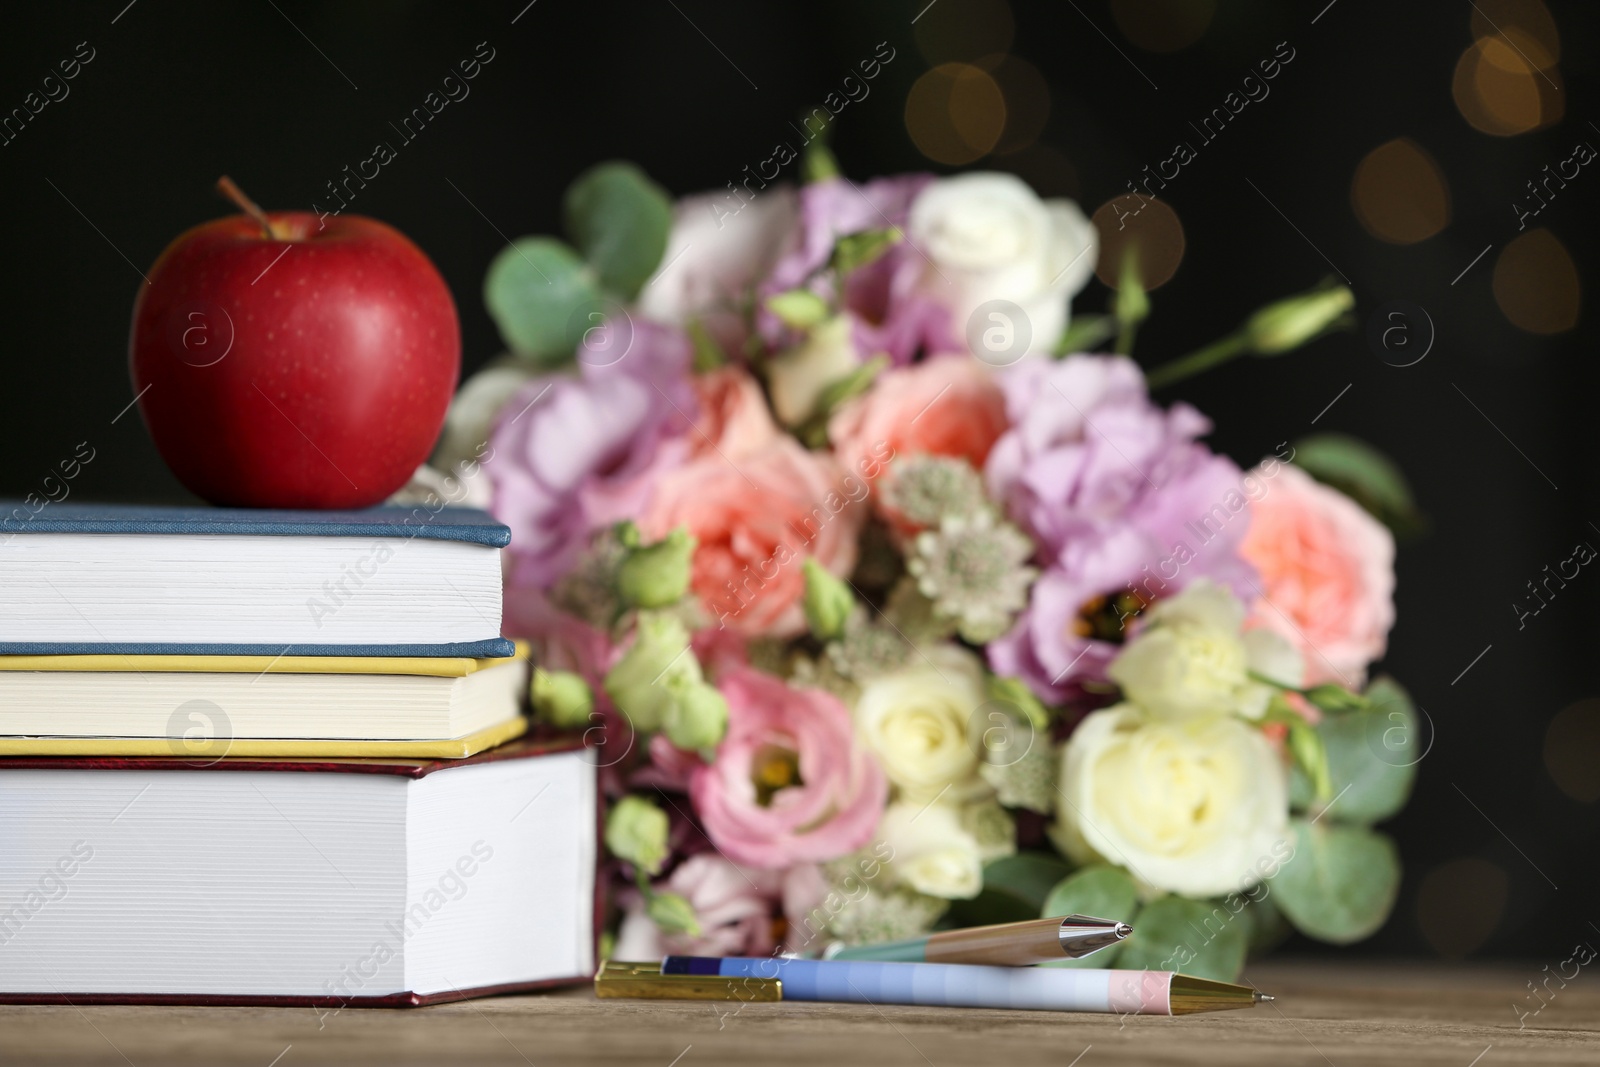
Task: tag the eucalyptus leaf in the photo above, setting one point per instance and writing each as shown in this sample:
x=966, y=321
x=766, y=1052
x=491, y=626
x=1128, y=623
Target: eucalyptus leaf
x=1268, y=927
x=537, y=291
x=1101, y=891
x=1372, y=757
x=1200, y=937
x=1341, y=882
x=619, y=219
x=1365, y=475
x=1014, y=888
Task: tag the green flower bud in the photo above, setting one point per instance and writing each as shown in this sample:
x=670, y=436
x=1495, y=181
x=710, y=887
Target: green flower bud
x=636, y=831
x=673, y=914
x=1012, y=691
x=655, y=576
x=828, y=602
x=856, y=250
x=626, y=533
x=1331, y=697
x=1293, y=321
x=1308, y=750
x=656, y=667
x=697, y=719
x=799, y=308
x=561, y=698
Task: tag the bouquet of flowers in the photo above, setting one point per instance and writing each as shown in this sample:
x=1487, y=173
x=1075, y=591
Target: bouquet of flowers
x=885, y=607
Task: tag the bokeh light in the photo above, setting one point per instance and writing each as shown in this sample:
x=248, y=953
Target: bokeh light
x=1163, y=25
x=1027, y=99
x=1459, y=904
x=1399, y=193
x=1130, y=220
x=1536, y=283
x=1526, y=25
x=1572, y=750
x=955, y=113
x=1500, y=92
x=964, y=32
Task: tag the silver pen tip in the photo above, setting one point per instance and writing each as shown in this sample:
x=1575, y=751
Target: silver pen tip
x=1123, y=930
x=1262, y=998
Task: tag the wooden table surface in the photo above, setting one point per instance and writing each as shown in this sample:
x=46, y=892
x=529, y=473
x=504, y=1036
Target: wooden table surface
x=1340, y=1014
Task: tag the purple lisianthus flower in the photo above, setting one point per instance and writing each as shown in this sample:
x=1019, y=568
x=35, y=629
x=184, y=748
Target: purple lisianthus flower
x=571, y=454
x=887, y=313
x=1122, y=500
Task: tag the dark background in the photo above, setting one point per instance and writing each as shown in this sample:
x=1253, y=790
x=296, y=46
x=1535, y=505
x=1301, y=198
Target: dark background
x=179, y=93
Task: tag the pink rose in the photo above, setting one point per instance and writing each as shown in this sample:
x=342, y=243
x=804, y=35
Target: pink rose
x=1327, y=574
x=788, y=784
x=736, y=908
x=756, y=518
x=946, y=406
x=734, y=420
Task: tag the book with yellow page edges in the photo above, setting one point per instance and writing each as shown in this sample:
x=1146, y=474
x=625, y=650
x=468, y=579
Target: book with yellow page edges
x=208, y=707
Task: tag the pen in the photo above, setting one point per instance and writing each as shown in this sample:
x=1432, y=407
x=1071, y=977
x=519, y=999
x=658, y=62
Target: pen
x=1004, y=944
x=958, y=985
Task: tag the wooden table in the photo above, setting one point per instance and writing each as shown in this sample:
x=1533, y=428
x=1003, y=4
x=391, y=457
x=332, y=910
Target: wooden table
x=1340, y=1014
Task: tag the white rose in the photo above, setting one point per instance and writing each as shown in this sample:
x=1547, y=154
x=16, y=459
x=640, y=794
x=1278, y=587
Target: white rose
x=933, y=852
x=797, y=378
x=1190, y=659
x=917, y=721
x=716, y=251
x=988, y=236
x=1192, y=807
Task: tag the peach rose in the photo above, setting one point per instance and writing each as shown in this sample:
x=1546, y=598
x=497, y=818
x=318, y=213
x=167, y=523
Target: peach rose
x=1327, y=572
x=756, y=519
x=946, y=406
x=733, y=418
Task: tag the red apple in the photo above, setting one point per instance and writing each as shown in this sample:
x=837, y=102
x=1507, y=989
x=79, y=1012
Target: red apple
x=282, y=361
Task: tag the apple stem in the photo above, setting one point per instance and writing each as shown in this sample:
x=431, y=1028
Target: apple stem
x=231, y=192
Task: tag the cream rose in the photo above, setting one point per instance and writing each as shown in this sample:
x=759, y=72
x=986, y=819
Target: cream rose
x=916, y=721
x=1190, y=658
x=798, y=376
x=988, y=236
x=1190, y=807
x=933, y=852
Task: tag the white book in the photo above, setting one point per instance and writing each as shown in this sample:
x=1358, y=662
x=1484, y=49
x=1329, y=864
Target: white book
x=337, y=883
x=233, y=581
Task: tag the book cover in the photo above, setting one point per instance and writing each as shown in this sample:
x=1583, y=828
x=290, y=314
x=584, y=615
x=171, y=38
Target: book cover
x=446, y=524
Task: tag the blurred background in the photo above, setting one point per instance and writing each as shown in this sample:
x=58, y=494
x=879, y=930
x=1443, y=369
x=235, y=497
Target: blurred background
x=1433, y=153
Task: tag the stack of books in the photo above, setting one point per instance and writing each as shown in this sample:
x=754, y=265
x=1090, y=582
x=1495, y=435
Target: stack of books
x=275, y=758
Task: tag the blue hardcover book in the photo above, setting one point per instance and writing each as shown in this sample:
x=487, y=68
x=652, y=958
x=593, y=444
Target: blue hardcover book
x=390, y=581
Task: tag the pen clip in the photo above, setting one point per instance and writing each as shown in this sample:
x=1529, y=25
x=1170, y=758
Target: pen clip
x=619, y=978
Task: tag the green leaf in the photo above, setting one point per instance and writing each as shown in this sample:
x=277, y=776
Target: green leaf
x=1085, y=333
x=1268, y=927
x=1199, y=937
x=1101, y=891
x=1375, y=753
x=537, y=291
x=1372, y=757
x=1365, y=475
x=1014, y=889
x=1341, y=882
x=619, y=219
